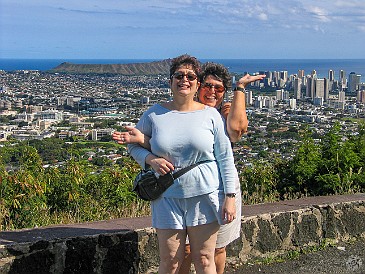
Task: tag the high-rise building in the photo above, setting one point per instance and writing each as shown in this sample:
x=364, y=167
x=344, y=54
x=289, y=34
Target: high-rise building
x=304, y=81
x=331, y=79
x=297, y=88
x=268, y=102
x=361, y=86
x=326, y=89
x=354, y=81
x=275, y=77
x=310, y=89
x=361, y=96
x=284, y=75
x=341, y=96
x=233, y=82
x=258, y=103
x=249, y=97
x=342, y=81
x=269, y=75
x=281, y=83
x=279, y=94
x=286, y=95
x=319, y=88
x=301, y=73
x=293, y=103
x=268, y=79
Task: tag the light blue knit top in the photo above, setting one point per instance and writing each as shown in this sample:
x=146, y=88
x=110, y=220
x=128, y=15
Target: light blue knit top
x=184, y=138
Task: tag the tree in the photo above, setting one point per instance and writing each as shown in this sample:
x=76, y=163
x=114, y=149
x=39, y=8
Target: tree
x=301, y=171
x=259, y=182
x=339, y=161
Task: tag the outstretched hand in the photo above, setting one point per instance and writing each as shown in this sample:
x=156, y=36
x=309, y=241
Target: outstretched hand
x=132, y=135
x=247, y=79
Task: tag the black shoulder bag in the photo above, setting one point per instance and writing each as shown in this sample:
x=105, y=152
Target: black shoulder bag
x=148, y=187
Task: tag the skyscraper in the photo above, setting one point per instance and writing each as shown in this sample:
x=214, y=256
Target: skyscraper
x=297, y=88
x=275, y=77
x=341, y=96
x=326, y=89
x=301, y=73
x=293, y=103
x=311, y=88
x=360, y=96
x=331, y=80
x=284, y=75
x=249, y=97
x=354, y=81
x=279, y=94
x=342, y=81
x=319, y=87
x=308, y=91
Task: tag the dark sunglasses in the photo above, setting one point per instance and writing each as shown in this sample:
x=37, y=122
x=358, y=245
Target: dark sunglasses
x=180, y=75
x=217, y=88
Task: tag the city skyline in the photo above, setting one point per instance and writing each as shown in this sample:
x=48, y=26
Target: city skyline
x=164, y=29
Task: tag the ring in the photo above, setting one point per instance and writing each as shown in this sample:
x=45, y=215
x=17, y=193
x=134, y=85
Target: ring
x=122, y=139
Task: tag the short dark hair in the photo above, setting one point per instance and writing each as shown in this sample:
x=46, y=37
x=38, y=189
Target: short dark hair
x=218, y=71
x=185, y=59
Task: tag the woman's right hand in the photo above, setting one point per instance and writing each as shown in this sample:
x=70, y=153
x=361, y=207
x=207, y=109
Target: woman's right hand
x=159, y=165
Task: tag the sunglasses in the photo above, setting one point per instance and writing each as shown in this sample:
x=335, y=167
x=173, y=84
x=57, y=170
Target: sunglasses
x=217, y=88
x=180, y=75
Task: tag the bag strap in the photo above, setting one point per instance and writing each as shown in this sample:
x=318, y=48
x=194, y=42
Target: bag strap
x=180, y=172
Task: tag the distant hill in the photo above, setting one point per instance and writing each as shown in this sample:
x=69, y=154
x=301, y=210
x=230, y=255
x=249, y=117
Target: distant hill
x=151, y=68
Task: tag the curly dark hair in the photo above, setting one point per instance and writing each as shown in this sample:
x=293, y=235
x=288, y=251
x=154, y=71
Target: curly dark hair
x=218, y=71
x=185, y=59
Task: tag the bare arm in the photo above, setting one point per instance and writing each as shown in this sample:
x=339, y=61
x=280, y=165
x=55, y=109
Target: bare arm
x=135, y=136
x=237, y=122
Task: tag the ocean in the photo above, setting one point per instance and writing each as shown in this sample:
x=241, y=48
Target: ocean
x=322, y=66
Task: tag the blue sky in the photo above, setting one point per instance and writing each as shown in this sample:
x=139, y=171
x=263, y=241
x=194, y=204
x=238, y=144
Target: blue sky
x=159, y=29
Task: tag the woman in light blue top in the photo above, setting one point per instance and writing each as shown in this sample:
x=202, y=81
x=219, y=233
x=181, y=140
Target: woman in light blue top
x=215, y=81
x=184, y=132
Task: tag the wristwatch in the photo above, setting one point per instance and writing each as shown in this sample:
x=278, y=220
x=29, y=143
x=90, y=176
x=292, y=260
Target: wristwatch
x=239, y=89
x=231, y=195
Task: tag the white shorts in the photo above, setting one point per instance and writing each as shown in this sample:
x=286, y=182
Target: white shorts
x=176, y=213
x=227, y=233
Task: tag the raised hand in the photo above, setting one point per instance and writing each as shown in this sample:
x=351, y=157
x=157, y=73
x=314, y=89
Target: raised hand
x=245, y=80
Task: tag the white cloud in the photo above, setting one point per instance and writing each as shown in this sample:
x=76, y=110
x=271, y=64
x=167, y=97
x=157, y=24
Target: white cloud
x=319, y=13
x=263, y=17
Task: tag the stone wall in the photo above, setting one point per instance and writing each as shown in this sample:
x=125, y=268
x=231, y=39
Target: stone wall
x=130, y=245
